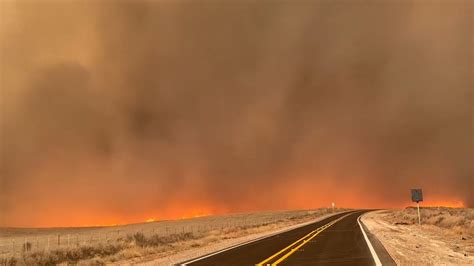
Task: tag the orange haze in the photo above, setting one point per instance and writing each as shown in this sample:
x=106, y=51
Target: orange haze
x=115, y=112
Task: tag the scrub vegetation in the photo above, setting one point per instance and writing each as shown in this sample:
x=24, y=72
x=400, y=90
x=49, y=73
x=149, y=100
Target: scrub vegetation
x=458, y=220
x=142, y=242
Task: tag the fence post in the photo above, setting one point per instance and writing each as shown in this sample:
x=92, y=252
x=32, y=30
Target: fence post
x=47, y=247
x=59, y=240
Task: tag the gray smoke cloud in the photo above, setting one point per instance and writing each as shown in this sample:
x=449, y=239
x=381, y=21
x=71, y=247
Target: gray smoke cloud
x=115, y=111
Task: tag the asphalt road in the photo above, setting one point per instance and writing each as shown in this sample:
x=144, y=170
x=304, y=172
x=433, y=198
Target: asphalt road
x=337, y=240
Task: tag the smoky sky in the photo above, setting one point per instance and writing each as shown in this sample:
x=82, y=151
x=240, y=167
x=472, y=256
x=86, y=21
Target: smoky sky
x=112, y=111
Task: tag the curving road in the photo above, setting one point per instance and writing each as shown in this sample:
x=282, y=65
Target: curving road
x=337, y=240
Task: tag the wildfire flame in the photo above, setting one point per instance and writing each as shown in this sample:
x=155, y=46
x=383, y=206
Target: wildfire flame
x=444, y=203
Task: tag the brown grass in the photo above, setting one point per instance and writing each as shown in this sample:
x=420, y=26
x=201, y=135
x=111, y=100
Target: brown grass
x=445, y=237
x=138, y=245
x=460, y=220
x=70, y=255
x=131, y=246
x=8, y=261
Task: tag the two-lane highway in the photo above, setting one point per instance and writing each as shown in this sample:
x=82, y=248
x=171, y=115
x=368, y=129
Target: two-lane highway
x=337, y=240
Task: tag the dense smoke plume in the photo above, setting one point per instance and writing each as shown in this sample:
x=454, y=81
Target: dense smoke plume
x=114, y=112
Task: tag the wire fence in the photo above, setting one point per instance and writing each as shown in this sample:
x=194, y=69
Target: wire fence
x=15, y=246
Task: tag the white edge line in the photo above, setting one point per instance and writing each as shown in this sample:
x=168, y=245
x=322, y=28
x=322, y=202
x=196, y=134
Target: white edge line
x=371, y=248
x=254, y=240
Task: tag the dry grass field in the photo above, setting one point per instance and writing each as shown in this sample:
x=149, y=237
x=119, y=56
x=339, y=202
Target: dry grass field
x=445, y=237
x=137, y=242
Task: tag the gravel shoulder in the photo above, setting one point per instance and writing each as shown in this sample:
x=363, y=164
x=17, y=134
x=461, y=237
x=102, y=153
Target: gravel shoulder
x=446, y=236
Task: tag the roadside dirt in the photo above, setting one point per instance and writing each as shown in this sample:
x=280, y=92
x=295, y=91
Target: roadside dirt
x=446, y=236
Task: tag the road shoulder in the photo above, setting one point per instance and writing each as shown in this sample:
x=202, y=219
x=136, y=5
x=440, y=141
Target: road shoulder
x=411, y=244
x=382, y=253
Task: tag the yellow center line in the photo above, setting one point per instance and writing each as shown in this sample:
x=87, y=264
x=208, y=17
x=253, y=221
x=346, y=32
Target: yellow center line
x=283, y=250
x=309, y=236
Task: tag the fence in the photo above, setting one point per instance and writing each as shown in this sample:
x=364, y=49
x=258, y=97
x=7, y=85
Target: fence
x=19, y=245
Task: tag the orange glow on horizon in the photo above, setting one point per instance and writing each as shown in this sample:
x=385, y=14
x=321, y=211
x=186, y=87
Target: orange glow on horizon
x=159, y=134
x=443, y=203
x=304, y=192
x=200, y=212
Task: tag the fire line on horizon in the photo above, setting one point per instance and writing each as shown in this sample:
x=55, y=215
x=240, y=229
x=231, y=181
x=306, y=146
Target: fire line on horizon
x=129, y=111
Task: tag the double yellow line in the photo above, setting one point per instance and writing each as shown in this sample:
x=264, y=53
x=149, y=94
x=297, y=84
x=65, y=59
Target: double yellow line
x=293, y=247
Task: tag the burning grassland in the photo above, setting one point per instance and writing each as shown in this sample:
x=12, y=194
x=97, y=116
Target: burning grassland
x=115, y=110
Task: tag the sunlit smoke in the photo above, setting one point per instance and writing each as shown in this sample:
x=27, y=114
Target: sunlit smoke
x=117, y=111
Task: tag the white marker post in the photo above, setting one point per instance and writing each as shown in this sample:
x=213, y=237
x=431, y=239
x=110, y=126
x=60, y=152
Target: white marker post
x=419, y=216
x=417, y=196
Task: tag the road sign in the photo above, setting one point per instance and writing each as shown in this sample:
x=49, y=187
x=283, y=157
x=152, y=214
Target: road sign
x=416, y=195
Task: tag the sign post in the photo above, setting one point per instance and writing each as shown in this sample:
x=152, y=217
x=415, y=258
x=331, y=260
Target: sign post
x=417, y=196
